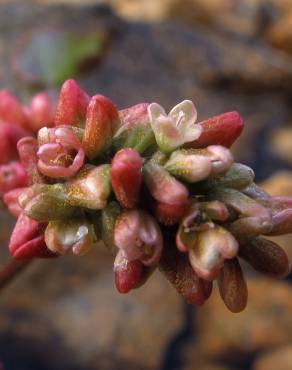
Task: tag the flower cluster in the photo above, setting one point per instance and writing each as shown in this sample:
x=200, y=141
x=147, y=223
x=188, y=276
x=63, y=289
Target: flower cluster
x=16, y=122
x=160, y=190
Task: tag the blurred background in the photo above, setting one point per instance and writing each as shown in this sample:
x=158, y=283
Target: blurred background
x=222, y=54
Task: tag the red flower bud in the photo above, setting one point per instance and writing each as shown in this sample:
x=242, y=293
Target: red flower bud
x=10, y=133
x=170, y=214
x=219, y=130
x=101, y=122
x=72, y=105
x=126, y=177
x=40, y=112
x=127, y=273
x=10, y=199
x=27, y=240
x=12, y=176
x=11, y=110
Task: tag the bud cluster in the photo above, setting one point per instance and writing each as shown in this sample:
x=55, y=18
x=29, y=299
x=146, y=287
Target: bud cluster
x=160, y=190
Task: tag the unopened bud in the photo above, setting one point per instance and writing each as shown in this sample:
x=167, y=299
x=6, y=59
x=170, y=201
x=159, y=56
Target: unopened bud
x=12, y=176
x=238, y=176
x=221, y=158
x=126, y=176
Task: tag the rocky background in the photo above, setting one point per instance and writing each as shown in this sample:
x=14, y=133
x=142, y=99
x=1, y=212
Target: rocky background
x=223, y=54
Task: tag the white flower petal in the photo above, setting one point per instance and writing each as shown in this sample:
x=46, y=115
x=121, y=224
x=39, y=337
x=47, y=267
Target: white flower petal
x=155, y=111
x=189, y=111
x=192, y=133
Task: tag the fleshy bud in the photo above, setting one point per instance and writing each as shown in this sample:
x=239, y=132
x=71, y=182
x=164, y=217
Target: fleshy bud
x=101, y=122
x=265, y=256
x=232, y=286
x=11, y=110
x=126, y=176
x=109, y=216
x=27, y=240
x=12, y=176
x=178, y=271
x=162, y=186
x=221, y=158
x=138, y=236
x=27, y=149
x=170, y=214
x=40, y=112
x=72, y=105
x=128, y=274
x=71, y=236
x=209, y=251
x=188, y=165
x=10, y=199
x=223, y=130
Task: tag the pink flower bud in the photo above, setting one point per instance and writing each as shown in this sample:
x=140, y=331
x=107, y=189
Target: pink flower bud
x=139, y=237
x=10, y=199
x=177, y=269
x=72, y=105
x=190, y=166
x=219, y=130
x=27, y=149
x=11, y=110
x=221, y=158
x=211, y=247
x=215, y=210
x=56, y=159
x=40, y=112
x=126, y=176
x=10, y=133
x=12, y=176
x=27, y=240
x=232, y=286
x=71, y=236
x=128, y=274
x=162, y=186
x=101, y=122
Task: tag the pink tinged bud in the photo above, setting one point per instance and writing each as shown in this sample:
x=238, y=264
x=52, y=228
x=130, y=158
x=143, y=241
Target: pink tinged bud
x=109, y=216
x=72, y=105
x=10, y=133
x=55, y=159
x=238, y=176
x=71, y=236
x=134, y=131
x=219, y=130
x=27, y=240
x=126, y=177
x=12, y=176
x=27, y=149
x=232, y=286
x=254, y=219
x=90, y=188
x=189, y=166
x=162, y=186
x=10, y=199
x=212, y=247
x=216, y=210
x=170, y=214
x=101, y=122
x=221, y=158
x=11, y=110
x=282, y=223
x=138, y=236
x=128, y=274
x=176, y=128
x=265, y=256
x=40, y=112
x=178, y=271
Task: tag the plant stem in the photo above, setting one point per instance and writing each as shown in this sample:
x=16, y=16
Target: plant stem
x=10, y=270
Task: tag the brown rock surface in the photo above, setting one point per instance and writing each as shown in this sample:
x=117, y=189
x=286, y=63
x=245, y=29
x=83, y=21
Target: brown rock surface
x=280, y=359
x=265, y=323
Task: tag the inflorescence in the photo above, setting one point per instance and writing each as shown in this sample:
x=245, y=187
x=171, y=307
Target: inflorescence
x=160, y=191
